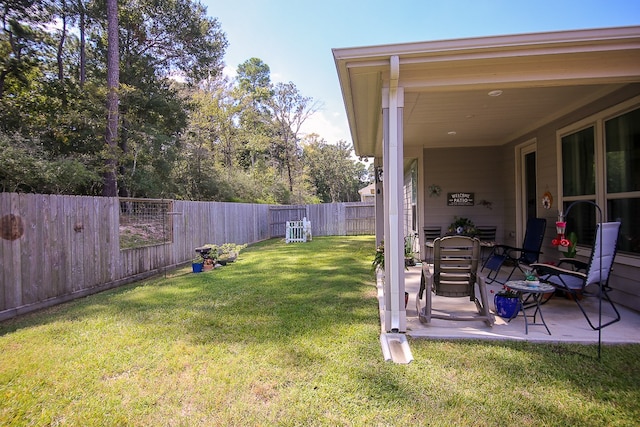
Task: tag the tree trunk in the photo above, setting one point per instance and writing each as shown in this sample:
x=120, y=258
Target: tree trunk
x=63, y=35
x=83, y=58
x=110, y=188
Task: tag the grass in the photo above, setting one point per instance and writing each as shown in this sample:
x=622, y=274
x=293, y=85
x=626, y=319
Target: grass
x=287, y=335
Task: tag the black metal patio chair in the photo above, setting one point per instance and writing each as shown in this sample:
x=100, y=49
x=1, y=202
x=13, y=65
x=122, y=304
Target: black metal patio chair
x=513, y=257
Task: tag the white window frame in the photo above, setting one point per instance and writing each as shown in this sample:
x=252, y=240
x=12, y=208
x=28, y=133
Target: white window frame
x=596, y=121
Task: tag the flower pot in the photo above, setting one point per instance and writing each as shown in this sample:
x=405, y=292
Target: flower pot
x=506, y=307
x=197, y=268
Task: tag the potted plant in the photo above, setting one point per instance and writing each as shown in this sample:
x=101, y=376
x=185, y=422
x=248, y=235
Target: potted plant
x=197, y=264
x=209, y=264
x=378, y=263
x=378, y=258
x=462, y=226
x=228, y=252
x=507, y=303
x=409, y=255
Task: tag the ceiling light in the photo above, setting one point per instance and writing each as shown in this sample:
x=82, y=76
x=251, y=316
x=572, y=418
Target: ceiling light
x=496, y=92
x=451, y=132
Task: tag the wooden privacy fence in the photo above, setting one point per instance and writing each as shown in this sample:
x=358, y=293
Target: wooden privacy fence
x=327, y=219
x=57, y=248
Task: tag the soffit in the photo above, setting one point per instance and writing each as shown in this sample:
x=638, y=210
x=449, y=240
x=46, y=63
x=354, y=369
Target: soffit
x=446, y=84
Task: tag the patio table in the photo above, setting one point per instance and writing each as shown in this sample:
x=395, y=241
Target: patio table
x=536, y=290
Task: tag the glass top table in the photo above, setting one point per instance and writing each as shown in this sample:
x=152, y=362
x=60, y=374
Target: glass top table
x=534, y=290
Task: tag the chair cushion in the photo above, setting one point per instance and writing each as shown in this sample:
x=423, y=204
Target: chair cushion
x=565, y=280
x=495, y=262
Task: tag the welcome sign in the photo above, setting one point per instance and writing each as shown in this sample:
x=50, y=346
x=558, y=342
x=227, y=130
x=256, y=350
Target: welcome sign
x=460, y=199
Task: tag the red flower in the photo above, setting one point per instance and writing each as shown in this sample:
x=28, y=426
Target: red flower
x=565, y=242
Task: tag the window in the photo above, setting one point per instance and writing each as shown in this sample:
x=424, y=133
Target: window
x=410, y=200
x=622, y=150
x=601, y=164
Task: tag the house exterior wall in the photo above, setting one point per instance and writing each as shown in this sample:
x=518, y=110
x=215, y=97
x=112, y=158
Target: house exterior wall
x=473, y=170
x=625, y=278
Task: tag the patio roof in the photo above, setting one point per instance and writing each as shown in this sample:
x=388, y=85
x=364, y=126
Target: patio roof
x=448, y=85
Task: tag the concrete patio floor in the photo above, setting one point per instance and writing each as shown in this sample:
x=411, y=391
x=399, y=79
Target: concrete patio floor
x=562, y=316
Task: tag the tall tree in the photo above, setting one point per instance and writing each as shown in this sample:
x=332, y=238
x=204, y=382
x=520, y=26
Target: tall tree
x=160, y=40
x=63, y=14
x=171, y=38
x=110, y=188
x=82, y=26
x=20, y=40
x=331, y=171
x=290, y=110
x=254, y=92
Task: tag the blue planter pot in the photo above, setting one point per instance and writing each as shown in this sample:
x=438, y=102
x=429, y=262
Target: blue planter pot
x=197, y=268
x=506, y=307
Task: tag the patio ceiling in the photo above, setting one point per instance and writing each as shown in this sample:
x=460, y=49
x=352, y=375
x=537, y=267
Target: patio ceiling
x=447, y=84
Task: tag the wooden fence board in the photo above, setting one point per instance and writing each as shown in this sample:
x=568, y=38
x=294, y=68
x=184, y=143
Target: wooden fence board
x=360, y=219
x=70, y=246
x=32, y=289
x=279, y=215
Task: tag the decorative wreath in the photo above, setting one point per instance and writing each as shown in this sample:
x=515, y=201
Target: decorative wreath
x=547, y=200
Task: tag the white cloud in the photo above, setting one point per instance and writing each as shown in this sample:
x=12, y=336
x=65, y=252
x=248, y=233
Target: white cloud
x=331, y=128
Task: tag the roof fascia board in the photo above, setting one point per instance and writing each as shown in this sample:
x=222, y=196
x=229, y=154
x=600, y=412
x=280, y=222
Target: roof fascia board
x=584, y=40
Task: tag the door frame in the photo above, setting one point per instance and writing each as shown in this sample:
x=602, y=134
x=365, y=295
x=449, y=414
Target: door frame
x=522, y=150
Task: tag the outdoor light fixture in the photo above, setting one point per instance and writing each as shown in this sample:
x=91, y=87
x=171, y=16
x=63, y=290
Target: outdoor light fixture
x=378, y=173
x=496, y=92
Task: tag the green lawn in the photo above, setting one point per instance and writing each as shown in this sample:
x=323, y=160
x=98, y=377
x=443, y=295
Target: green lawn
x=287, y=335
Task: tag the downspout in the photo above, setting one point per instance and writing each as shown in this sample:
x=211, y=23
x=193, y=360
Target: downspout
x=395, y=316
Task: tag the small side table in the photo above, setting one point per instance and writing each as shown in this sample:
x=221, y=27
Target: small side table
x=536, y=290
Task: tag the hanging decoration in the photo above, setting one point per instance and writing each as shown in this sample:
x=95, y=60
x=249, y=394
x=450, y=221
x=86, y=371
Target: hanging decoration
x=561, y=241
x=434, y=190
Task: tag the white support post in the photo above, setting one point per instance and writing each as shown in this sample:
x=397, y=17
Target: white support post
x=393, y=103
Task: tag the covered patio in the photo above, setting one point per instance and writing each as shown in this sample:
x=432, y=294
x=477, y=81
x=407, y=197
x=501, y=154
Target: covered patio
x=487, y=118
x=561, y=315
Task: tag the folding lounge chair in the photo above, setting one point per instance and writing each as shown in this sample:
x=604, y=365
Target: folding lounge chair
x=454, y=274
x=596, y=272
x=503, y=255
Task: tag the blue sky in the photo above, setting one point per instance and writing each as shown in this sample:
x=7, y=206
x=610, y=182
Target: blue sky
x=295, y=37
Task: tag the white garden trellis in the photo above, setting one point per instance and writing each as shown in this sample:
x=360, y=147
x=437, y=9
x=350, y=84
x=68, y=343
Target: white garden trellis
x=298, y=231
